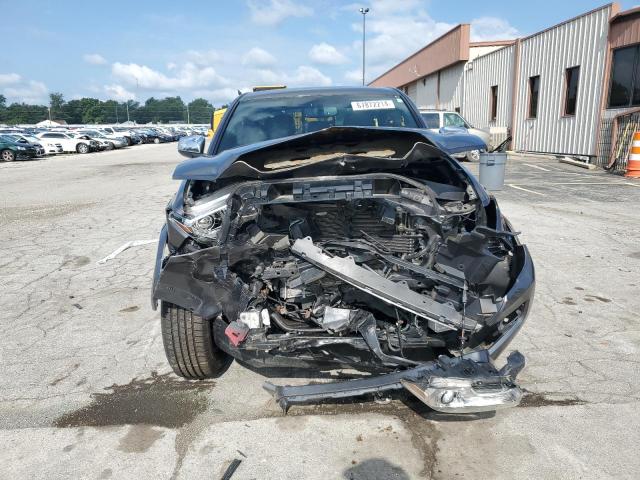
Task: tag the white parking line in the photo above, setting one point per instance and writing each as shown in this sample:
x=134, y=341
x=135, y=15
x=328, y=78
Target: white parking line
x=632, y=184
x=581, y=183
x=536, y=166
x=525, y=190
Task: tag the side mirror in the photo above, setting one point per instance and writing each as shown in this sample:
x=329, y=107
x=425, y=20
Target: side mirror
x=192, y=146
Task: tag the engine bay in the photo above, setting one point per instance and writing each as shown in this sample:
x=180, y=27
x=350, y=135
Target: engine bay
x=384, y=268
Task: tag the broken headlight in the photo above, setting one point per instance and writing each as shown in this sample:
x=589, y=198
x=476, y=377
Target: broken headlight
x=204, y=220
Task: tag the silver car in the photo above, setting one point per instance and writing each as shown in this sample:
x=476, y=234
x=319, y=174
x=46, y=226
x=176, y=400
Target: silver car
x=438, y=119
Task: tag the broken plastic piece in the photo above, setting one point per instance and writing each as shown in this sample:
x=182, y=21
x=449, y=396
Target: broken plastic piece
x=236, y=332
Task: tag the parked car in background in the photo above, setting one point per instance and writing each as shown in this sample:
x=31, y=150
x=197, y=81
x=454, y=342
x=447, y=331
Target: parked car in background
x=11, y=150
x=16, y=137
x=128, y=134
x=109, y=132
x=95, y=145
x=68, y=143
x=443, y=121
x=112, y=141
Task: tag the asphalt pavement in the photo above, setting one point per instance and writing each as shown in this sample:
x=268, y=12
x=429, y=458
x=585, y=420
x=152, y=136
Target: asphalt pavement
x=85, y=390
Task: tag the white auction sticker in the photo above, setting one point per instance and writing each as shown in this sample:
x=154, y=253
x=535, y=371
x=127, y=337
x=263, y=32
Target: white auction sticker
x=372, y=105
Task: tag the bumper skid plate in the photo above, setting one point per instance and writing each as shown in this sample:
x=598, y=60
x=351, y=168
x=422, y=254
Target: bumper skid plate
x=466, y=384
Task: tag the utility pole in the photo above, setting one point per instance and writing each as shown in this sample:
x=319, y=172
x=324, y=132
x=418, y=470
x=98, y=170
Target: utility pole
x=117, y=113
x=364, y=12
x=49, y=108
x=188, y=119
x=127, y=110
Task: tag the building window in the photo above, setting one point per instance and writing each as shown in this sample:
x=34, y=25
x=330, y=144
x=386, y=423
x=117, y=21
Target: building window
x=493, y=104
x=534, y=90
x=624, y=89
x=571, y=77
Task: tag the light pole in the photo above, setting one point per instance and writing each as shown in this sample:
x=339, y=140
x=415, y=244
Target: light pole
x=364, y=12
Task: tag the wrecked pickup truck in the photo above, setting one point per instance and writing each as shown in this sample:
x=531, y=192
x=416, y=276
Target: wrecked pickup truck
x=362, y=246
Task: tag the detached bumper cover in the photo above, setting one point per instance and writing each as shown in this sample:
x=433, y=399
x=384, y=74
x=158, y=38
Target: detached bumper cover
x=466, y=384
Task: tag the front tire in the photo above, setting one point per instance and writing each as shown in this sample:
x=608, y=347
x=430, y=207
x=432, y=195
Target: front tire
x=188, y=344
x=7, y=156
x=156, y=140
x=82, y=148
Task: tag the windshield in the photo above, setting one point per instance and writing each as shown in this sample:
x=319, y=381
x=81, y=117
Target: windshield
x=454, y=120
x=431, y=119
x=257, y=119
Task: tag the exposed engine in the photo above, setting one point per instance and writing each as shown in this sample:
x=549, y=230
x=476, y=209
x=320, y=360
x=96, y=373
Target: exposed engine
x=378, y=266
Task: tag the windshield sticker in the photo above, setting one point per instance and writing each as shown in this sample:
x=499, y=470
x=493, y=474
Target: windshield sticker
x=372, y=105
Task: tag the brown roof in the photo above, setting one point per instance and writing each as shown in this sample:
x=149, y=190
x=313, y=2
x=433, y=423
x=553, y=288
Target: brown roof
x=450, y=48
x=493, y=43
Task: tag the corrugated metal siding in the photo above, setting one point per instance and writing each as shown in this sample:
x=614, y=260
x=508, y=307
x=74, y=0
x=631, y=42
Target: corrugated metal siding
x=412, y=91
x=427, y=91
x=582, y=42
x=451, y=85
x=495, y=68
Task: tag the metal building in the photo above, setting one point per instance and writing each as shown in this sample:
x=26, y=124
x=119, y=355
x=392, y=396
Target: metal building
x=553, y=91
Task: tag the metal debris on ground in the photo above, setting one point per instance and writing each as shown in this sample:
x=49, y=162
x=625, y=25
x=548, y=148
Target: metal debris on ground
x=122, y=248
x=231, y=469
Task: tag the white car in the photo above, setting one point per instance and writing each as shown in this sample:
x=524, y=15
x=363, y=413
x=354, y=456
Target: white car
x=49, y=147
x=112, y=141
x=66, y=141
x=118, y=138
x=438, y=119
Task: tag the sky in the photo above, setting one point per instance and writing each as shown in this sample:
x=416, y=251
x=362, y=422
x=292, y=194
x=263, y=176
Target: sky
x=131, y=50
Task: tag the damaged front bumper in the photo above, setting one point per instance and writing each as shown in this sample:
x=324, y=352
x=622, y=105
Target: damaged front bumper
x=467, y=384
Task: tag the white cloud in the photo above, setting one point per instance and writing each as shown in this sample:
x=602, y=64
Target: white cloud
x=94, y=59
x=302, y=76
x=118, y=92
x=309, y=77
x=395, y=36
x=401, y=27
x=218, y=96
x=188, y=77
x=171, y=66
x=9, y=79
x=492, y=28
x=326, y=54
x=258, y=57
x=354, y=76
x=203, y=59
x=272, y=12
x=17, y=89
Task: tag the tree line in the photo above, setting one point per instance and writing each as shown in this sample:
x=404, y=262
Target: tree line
x=95, y=111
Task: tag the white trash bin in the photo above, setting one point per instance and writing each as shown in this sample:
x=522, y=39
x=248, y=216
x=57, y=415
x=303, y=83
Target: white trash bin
x=492, y=166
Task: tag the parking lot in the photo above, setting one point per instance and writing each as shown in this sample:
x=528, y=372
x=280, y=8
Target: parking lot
x=86, y=391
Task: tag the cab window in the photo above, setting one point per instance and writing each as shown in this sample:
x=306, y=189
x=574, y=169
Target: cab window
x=454, y=120
x=431, y=119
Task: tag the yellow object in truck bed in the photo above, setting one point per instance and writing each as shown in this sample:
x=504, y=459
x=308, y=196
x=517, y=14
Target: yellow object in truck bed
x=215, y=121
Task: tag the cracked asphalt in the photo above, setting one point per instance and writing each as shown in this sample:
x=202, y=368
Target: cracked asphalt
x=85, y=391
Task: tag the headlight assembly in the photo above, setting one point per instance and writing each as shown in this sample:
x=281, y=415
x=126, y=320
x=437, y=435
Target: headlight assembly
x=203, y=222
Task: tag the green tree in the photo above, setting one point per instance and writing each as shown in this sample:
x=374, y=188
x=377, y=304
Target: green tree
x=3, y=108
x=200, y=111
x=57, y=106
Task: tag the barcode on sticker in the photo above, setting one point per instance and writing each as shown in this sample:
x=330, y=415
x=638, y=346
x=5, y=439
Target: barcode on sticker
x=372, y=105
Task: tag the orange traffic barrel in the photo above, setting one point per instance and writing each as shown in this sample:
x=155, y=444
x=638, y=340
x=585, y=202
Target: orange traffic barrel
x=633, y=165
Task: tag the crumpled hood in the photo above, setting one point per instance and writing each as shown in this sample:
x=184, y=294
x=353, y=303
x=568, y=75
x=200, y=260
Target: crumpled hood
x=249, y=161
